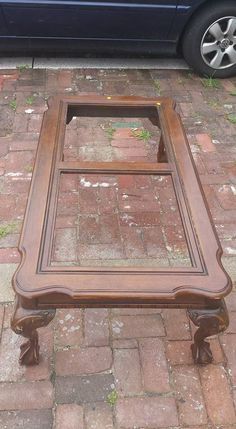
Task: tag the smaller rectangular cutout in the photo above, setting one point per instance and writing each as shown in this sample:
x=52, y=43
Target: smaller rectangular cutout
x=111, y=138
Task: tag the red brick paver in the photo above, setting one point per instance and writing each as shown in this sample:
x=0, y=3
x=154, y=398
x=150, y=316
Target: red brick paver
x=218, y=401
x=120, y=368
x=69, y=416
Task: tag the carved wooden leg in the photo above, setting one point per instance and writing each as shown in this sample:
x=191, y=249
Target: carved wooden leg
x=210, y=322
x=24, y=322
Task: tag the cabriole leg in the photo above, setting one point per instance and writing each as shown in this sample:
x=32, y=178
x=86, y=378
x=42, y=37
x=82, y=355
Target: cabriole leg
x=25, y=322
x=210, y=321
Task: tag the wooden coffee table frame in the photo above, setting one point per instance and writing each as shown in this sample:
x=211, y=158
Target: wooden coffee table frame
x=41, y=288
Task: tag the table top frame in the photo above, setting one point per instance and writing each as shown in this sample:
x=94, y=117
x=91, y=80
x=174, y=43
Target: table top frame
x=36, y=279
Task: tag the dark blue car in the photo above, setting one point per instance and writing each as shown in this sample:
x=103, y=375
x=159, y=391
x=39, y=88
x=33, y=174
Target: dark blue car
x=204, y=31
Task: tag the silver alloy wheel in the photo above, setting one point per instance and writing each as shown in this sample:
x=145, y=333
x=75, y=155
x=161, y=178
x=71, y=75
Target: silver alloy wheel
x=218, y=45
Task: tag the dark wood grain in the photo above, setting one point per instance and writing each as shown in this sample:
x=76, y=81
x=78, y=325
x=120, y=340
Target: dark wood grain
x=39, y=285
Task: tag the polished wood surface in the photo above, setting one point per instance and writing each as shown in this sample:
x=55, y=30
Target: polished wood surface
x=40, y=286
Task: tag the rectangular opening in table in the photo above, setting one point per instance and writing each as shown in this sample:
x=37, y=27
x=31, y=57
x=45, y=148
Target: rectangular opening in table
x=106, y=135
x=118, y=220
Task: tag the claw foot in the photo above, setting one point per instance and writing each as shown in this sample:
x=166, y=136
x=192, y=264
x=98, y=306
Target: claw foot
x=29, y=354
x=210, y=321
x=202, y=353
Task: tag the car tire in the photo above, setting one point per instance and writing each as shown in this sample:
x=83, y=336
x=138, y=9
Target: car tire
x=208, y=43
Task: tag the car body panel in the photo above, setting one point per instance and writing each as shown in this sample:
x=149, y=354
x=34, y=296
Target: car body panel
x=90, y=19
x=3, y=29
x=185, y=10
x=140, y=26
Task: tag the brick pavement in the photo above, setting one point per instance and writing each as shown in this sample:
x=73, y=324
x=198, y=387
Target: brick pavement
x=121, y=368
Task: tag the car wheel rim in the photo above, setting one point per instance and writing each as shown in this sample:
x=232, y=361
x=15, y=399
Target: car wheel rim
x=218, y=45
